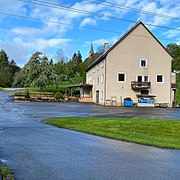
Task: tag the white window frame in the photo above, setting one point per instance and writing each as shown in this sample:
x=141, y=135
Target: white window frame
x=148, y=78
x=143, y=77
x=102, y=78
x=97, y=80
x=102, y=95
x=143, y=59
x=162, y=78
x=102, y=64
x=118, y=77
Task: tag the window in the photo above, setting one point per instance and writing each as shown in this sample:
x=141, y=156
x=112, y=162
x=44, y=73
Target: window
x=141, y=78
x=143, y=63
x=97, y=80
x=98, y=67
x=121, y=77
x=102, y=64
x=102, y=78
x=101, y=95
x=146, y=78
x=160, y=79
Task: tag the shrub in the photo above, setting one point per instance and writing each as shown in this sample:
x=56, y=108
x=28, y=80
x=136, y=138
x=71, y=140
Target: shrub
x=58, y=96
x=27, y=94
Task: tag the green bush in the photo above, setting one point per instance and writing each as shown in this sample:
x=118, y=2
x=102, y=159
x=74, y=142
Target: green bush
x=58, y=96
x=27, y=94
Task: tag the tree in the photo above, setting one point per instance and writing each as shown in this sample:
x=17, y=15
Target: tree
x=19, y=79
x=60, y=55
x=7, y=69
x=60, y=66
x=74, y=57
x=79, y=57
x=174, y=51
x=39, y=72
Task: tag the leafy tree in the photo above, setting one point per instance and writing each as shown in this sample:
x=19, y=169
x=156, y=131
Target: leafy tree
x=174, y=51
x=19, y=79
x=60, y=55
x=39, y=72
x=60, y=67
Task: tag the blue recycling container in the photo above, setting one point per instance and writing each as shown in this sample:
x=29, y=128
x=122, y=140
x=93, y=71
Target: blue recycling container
x=128, y=103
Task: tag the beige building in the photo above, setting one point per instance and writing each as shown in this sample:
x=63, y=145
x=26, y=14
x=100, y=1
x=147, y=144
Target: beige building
x=136, y=67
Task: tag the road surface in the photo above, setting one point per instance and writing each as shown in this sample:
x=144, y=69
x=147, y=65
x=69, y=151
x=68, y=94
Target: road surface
x=40, y=152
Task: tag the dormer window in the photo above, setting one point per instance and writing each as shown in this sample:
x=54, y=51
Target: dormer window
x=143, y=63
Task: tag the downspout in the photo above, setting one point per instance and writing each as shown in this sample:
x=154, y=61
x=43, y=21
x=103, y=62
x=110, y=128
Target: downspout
x=105, y=80
x=171, y=103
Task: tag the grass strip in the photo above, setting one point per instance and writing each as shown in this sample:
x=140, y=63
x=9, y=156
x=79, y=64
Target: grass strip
x=153, y=132
x=6, y=173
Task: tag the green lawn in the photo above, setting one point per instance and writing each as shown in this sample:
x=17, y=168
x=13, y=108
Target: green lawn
x=154, y=132
x=1, y=89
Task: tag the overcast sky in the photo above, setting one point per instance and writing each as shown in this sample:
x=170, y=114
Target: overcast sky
x=20, y=37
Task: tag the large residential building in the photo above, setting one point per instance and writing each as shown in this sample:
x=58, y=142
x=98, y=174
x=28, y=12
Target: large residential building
x=136, y=67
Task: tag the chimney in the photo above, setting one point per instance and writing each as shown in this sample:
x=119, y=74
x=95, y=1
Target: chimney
x=106, y=47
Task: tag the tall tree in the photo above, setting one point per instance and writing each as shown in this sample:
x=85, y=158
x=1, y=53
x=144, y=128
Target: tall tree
x=39, y=72
x=79, y=57
x=7, y=69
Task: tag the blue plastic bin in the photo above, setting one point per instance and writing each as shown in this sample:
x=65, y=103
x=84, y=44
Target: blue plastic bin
x=128, y=103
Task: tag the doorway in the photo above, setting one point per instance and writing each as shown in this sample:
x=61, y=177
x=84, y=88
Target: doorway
x=97, y=97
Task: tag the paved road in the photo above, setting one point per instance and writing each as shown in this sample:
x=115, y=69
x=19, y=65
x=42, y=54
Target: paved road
x=38, y=152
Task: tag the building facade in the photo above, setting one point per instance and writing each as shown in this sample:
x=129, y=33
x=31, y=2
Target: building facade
x=136, y=67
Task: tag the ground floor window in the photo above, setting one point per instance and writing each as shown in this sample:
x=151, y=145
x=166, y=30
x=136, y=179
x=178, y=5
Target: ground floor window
x=101, y=95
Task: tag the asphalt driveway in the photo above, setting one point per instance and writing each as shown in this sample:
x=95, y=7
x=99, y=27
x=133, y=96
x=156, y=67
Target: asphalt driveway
x=37, y=151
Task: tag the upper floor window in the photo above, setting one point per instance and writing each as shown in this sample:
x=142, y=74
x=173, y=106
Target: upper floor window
x=160, y=78
x=102, y=78
x=141, y=78
x=98, y=67
x=102, y=64
x=121, y=77
x=143, y=63
x=97, y=80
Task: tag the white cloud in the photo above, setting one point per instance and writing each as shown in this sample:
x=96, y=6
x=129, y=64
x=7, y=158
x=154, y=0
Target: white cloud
x=100, y=42
x=16, y=51
x=87, y=21
x=20, y=50
x=27, y=31
x=171, y=33
x=11, y=6
x=162, y=9
x=42, y=44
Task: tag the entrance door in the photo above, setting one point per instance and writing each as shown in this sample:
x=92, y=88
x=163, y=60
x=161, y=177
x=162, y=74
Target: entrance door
x=97, y=97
